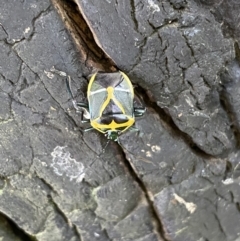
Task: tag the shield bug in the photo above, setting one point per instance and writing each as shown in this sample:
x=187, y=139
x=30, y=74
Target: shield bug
x=110, y=108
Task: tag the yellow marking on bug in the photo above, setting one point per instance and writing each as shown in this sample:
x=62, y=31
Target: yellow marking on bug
x=110, y=93
x=110, y=96
x=90, y=84
x=112, y=126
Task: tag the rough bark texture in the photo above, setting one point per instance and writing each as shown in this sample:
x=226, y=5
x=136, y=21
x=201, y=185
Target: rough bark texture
x=178, y=179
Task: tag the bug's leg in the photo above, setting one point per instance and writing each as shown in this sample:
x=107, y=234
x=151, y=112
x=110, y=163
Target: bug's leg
x=68, y=83
x=140, y=109
x=88, y=129
x=81, y=104
x=139, y=112
x=77, y=105
x=84, y=120
x=133, y=128
x=103, y=150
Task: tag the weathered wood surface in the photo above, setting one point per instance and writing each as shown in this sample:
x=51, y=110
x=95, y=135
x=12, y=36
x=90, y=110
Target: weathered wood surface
x=177, y=179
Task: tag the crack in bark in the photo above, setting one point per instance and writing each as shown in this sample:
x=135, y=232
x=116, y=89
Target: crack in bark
x=156, y=219
x=133, y=14
x=139, y=56
x=70, y=225
x=46, y=11
x=19, y=232
x=219, y=225
x=69, y=222
x=82, y=35
x=190, y=48
x=69, y=117
x=76, y=232
x=57, y=208
x=237, y=51
x=4, y=30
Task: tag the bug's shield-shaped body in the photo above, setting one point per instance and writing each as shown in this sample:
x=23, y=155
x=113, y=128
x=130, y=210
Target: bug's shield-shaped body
x=110, y=98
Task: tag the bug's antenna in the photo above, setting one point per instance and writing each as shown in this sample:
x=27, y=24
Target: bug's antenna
x=69, y=88
x=68, y=83
x=103, y=151
x=68, y=80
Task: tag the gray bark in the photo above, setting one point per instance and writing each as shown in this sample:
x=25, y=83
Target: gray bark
x=177, y=178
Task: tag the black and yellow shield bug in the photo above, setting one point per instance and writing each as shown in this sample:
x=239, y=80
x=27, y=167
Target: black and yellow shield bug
x=110, y=108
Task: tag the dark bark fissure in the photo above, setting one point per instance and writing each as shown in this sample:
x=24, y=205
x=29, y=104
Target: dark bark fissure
x=20, y=233
x=93, y=55
x=58, y=210
x=156, y=219
x=237, y=51
x=62, y=214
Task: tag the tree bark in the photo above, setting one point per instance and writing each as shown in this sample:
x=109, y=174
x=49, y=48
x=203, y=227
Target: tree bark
x=177, y=179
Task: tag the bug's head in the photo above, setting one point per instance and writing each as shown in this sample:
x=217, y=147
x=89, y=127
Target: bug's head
x=112, y=135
